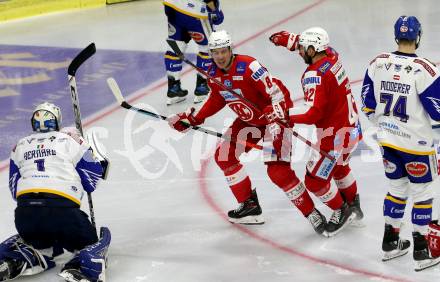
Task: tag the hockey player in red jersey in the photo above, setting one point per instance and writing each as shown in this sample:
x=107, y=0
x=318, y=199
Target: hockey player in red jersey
x=329, y=105
x=250, y=79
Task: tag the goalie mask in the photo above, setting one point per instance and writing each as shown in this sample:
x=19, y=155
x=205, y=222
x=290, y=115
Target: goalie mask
x=46, y=117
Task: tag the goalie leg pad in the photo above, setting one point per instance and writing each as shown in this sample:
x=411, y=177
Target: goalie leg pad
x=93, y=258
x=18, y=259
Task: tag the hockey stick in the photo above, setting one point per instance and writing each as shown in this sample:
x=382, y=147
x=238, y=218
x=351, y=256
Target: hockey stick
x=114, y=87
x=179, y=53
x=71, y=71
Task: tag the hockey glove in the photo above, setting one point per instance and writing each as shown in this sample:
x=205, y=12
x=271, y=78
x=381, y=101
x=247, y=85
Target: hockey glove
x=434, y=238
x=216, y=17
x=286, y=39
x=182, y=121
x=275, y=112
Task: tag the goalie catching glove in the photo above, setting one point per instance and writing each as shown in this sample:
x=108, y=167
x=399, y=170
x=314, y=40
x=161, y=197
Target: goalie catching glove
x=286, y=39
x=183, y=121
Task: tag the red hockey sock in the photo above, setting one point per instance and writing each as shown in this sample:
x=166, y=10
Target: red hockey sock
x=239, y=182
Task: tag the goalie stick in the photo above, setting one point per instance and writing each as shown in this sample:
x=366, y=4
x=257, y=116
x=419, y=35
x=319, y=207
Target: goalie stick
x=114, y=87
x=179, y=53
x=71, y=71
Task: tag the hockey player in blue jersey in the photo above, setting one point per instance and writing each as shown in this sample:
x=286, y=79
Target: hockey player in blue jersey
x=48, y=174
x=401, y=95
x=189, y=19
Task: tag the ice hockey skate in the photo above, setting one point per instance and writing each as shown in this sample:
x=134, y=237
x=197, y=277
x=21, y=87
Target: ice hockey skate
x=339, y=220
x=422, y=256
x=249, y=212
x=392, y=245
x=175, y=92
x=202, y=89
x=356, y=208
x=318, y=222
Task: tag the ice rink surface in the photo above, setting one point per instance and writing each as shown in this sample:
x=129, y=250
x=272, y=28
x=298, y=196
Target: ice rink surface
x=165, y=200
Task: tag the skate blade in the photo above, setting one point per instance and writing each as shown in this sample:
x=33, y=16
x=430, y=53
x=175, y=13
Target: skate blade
x=175, y=100
x=248, y=220
x=348, y=222
x=199, y=99
x=393, y=254
x=427, y=263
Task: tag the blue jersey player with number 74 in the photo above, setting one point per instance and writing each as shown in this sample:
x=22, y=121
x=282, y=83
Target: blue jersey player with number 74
x=401, y=95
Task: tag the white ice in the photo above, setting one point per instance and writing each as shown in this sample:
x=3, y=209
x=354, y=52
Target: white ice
x=170, y=225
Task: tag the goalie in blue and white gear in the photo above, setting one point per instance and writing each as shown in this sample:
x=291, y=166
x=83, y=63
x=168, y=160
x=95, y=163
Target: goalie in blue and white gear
x=189, y=19
x=401, y=95
x=49, y=173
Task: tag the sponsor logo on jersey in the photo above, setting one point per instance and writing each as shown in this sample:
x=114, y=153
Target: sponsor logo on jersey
x=51, y=138
x=242, y=110
x=388, y=66
x=341, y=75
x=197, y=36
x=396, y=77
x=417, y=169
x=397, y=68
x=395, y=86
x=390, y=167
x=191, y=5
x=259, y=73
x=324, y=67
x=337, y=66
x=380, y=56
x=228, y=96
x=30, y=140
x=426, y=66
x=237, y=77
x=241, y=67
x=408, y=69
x=312, y=80
x=227, y=83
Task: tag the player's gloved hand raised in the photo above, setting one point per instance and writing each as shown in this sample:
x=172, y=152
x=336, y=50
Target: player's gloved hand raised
x=286, y=39
x=178, y=121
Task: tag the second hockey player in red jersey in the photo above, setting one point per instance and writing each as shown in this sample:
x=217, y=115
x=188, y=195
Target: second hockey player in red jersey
x=329, y=105
x=246, y=76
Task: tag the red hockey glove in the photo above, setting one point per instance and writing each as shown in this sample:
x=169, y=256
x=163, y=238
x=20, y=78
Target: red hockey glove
x=286, y=39
x=275, y=112
x=434, y=238
x=177, y=121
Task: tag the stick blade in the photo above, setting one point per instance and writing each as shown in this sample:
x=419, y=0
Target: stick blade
x=114, y=87
x=174, y=46
x=81, y=58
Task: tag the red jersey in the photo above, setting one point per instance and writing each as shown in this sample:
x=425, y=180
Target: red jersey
x=329, y=103
x=250, y=79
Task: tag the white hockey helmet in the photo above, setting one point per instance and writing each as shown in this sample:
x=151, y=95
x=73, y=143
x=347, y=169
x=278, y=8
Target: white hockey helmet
x=316, y=37
x=219, y=39
x=46, y=117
